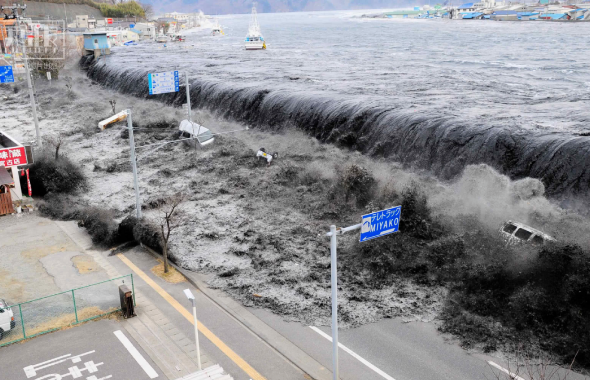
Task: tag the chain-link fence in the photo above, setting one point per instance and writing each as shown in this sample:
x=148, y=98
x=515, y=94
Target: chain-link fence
x=28, y=319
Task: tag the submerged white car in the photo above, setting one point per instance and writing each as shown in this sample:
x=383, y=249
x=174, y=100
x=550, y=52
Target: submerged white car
x=515, y=232
x=7, y=322
x=196, y=133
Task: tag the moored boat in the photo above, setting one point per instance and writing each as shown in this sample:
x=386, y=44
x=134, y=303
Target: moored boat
x=254, y=39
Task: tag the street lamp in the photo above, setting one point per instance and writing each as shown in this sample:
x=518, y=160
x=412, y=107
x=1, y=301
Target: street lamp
x=190, y=296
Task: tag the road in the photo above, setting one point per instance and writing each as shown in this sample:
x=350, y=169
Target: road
x=98, y=350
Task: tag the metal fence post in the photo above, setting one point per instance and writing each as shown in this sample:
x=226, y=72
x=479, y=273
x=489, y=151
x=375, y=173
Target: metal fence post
x=334, y=280
x=133, y=290
x=22, y=321
x=75, y=309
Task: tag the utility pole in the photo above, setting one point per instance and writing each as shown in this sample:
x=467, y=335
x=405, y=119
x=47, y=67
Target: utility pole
x=334, y=286
x=133, y=164
x=14, y=8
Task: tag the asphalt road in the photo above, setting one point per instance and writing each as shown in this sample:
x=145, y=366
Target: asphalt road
x=243, y=342
x=403, y=351
x=91, y=351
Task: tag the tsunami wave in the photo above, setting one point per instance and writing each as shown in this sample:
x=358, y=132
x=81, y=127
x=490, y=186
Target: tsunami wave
x=440, y=144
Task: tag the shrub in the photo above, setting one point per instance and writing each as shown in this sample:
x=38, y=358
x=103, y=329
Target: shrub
x=99, y=222
x=148, y=234
x=416, y=218
x=49, y=175
x=126, y=227
x=100, y=225
x=355, y=184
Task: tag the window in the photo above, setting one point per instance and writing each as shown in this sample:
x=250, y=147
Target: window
x=205, y=136
x=538, y=240
x=509, y=228
x=523, y=234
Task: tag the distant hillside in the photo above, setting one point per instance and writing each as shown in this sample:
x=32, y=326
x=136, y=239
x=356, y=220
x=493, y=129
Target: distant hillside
x=244, y=6
x=59, y=11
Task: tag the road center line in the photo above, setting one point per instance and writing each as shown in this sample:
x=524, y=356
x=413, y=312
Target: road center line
x=354, y=354
x=136, y=355
x=254, y=375
x=512, y=375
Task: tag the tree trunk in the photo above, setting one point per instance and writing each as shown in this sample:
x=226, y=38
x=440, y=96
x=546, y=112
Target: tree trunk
x=56, y=152
x=165, y=249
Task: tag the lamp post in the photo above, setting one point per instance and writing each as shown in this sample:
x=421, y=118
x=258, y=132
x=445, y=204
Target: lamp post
x=191, y=297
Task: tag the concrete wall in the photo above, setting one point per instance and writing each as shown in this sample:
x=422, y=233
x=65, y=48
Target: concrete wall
x=57, y=12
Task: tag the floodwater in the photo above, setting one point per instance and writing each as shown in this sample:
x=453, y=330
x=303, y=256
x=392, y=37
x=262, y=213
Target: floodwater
x=434, y=94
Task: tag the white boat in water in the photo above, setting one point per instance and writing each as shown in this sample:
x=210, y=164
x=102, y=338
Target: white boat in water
x=217, y=31
x=254, y=39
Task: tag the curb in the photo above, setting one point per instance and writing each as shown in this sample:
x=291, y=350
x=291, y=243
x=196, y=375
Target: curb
x=292, y=353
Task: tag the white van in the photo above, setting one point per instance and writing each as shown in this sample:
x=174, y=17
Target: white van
x=201, y=135
x=7, y=322
x=515, y=232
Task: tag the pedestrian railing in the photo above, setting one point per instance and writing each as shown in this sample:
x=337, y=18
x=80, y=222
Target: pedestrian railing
x=60, y=310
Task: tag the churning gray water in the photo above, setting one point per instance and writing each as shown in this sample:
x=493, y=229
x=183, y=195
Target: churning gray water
x=435, y=94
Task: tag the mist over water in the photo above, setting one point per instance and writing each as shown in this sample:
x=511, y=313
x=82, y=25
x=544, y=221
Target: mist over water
x=435, y=94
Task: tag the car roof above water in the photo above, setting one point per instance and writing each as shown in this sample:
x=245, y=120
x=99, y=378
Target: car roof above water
x=523, y=226
x=187, y=126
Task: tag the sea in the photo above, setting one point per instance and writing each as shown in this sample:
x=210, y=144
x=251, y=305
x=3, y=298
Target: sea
x=435, y=94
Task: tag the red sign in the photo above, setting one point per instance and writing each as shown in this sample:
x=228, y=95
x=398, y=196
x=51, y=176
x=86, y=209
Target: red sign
x=109, y=20
x=13, y=156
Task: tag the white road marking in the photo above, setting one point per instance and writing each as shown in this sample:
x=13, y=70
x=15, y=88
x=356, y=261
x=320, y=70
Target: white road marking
x=136, y=355
x=353, y=354
x=512, y=375
x=31, y=371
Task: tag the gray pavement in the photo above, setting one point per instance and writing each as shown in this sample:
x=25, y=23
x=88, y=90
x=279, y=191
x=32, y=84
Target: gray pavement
x=259, y=355
x=404, y=351
x=88, y=352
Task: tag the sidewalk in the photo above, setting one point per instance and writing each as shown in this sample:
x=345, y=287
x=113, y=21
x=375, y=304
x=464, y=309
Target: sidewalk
x=168, y=347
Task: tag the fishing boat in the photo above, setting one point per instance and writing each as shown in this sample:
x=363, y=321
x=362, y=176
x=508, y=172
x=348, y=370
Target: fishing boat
x=254, y=39
x=217, y=31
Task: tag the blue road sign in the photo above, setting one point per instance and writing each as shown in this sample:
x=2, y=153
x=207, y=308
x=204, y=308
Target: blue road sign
x=380, y=223
x=6, y=75
x=161, y=83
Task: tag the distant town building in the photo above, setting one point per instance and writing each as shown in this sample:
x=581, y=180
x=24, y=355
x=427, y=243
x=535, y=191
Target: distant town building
x=148, y=30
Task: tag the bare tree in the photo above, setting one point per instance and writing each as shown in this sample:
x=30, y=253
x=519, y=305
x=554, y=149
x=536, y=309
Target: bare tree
x=148, y=9
x=56, y=142
x=168, y=222
x=113, y=106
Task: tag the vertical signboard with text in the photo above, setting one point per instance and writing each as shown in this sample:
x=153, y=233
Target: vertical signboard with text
x=161, y=83
x=6, y=74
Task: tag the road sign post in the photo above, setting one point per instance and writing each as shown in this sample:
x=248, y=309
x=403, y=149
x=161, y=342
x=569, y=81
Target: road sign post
x=374, y=225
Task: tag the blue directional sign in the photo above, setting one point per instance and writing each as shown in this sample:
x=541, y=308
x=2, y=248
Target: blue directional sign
x=6, y=75
x=161, y=83
x=380, y=223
